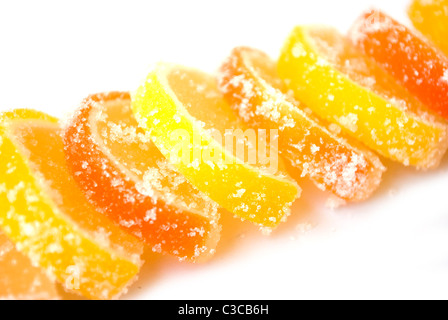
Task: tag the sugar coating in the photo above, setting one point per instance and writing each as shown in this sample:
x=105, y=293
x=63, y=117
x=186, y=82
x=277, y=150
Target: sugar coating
x=249, y=81
x=133, y=184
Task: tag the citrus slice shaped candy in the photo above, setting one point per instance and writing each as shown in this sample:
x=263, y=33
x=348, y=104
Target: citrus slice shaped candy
x=195, y=128
x=430, y=17
x=19, y=279
x=249, y=81
x=344, y=86
x=413, y=61
x=127, y=178
x=46, y=215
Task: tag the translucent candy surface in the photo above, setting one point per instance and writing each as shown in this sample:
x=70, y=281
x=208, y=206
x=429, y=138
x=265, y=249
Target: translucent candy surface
x=413, y=61
x=250, y=83
x=430, y=17
x=176, y=99
x=19, y=279
x=127, y=178
x=344, y=86
x=47, y=216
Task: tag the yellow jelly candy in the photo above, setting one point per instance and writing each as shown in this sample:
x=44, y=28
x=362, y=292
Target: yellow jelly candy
x=46, y=215
x=19, y=279
x=193, y=126
x=430, y=17
x=342, y=85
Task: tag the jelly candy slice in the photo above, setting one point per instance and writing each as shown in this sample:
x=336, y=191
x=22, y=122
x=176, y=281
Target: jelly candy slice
x=19, y=279
x=127, y=178
x=407, y=56
x=47, y=216
x=250, y=83
x=344, y=86
x=192, y=125
x=430, y=17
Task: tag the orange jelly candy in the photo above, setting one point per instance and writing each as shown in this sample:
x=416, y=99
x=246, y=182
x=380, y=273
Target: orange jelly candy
x=46, y=215
x=250, y=83
x=417, y=64
x=19, y=279
x=126, y=177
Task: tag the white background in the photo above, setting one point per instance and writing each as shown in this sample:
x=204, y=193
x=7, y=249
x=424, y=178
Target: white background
x=54, y=53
